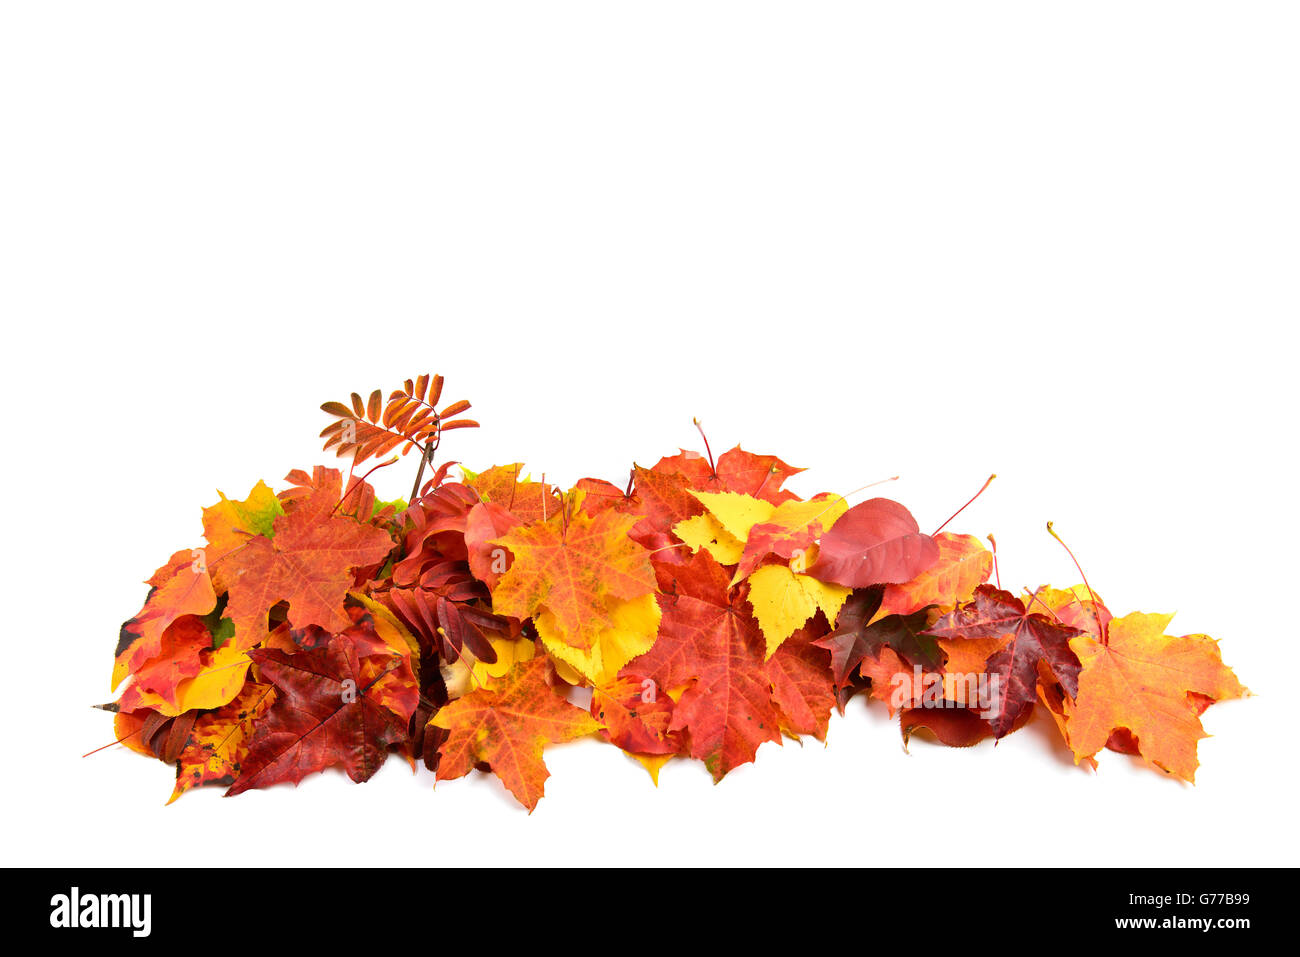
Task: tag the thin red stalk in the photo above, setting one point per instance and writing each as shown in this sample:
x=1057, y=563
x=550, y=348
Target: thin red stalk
x=713, y=469
x=1091, y=594
x=964, y=507
x=355, y=485
x=111, y=743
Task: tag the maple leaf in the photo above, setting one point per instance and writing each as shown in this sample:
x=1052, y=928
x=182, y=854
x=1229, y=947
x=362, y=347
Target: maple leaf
x=860, y=634
x=892, y=680
x=342, y=704
x=507, y=728
x=1034, y=637
x=874, y=542
x=178, y=659
x=503, y=485
x=802, y=687
x=599, y=495
x=760, y=476
x=1145, y=682
x=308, y=564
x=661, y=500
x=963, y=564
x=711, y=645
x=228, y=525
x=589, y=586
x=218, y=743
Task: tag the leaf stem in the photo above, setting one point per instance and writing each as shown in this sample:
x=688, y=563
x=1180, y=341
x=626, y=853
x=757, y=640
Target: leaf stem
x=963, y=508
x=426, y=457
x=713, y=469
x=997, y=575
x=1104, y=632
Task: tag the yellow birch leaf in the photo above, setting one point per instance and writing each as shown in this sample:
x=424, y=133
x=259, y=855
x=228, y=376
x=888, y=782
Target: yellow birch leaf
x=784, y=601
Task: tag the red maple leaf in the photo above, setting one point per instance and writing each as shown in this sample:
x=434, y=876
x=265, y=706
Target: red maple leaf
x=994, y=613
x=736, y=471
x=709, y=640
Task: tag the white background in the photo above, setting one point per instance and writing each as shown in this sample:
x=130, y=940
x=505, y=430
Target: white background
x=1053, y=241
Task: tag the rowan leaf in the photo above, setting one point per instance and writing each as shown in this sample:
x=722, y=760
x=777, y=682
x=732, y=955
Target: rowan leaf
x=409, y=419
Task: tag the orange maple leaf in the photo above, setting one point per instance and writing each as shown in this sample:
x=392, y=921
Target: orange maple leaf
x=1146, y=682
x=579, y=570
x=507, y=728
x=507, y=486
x=964, y=563
x=308, y=563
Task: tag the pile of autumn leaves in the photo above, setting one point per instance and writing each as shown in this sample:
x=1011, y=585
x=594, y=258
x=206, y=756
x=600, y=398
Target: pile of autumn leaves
x=706, y=608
